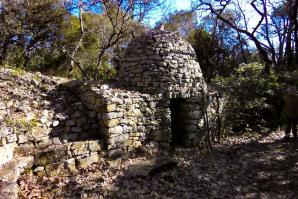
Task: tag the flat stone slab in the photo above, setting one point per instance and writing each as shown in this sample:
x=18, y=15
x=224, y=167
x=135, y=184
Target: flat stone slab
x=151, y=167
x=9, y=175
x=12, y=170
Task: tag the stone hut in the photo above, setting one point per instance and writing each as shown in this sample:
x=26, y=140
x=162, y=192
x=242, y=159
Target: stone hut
x=161, y=62
x=156, y=99
x=51, y=126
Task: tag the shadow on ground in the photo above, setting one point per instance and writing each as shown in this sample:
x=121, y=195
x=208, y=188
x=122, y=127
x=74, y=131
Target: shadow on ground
x=252, y=169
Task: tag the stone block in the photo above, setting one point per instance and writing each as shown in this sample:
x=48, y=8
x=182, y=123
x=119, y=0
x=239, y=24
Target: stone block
x=115, y=130
x=6, y=153
x=94, y=146
x=135, y=138
x=77, y=114
x=76, y=129
x=4, y=131
x=92, y=114
x=39, y=169
x=85, y=162
x=160, y=136
x=111, y=107
x=116, y=139
x=11, y=138
x=55, y=169
x=53, y=155
x=110, y=123
x=57, y=131
x=136, y=134
x=43, y=142
x=38, y=132
x=191, y=128
x=73, y=136
x=66, y=129
x=133, y=122
x=111, y=115
x=70, y=165
x=133, y=143
x=56, y=140
x=81, y=121
x=194, y=115
x=12, y=170
x=79, y=148
x=127, y=129
x=70, y=123
x=22, y=138
x=25, y=149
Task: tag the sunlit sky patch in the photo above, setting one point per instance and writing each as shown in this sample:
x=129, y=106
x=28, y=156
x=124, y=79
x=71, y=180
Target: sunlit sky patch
x=171, y=6
x=182, y=4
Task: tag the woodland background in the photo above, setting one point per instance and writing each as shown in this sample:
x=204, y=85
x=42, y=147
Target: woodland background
x=250, y=63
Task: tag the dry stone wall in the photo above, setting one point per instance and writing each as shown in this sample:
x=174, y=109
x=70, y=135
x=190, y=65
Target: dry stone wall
x=57, y=127
x=127, y=119
x=41, y=119
x=162, y=62
x=64, y=126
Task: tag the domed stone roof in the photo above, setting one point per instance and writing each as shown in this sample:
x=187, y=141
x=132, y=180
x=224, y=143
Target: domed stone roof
x=162, y=62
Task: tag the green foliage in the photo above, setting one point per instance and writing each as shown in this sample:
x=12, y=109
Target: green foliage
x=251, y=98
x=100, y=37
x=290, y=77
x=15, y=71
x=29, y=31
x=21, y=124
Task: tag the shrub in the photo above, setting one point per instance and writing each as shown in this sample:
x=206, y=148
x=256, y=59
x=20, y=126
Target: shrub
x=251, y=98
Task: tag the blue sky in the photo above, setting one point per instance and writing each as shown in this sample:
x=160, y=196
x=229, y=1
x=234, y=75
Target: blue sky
x=171, y=6
x=182, y=4
x=156, y=15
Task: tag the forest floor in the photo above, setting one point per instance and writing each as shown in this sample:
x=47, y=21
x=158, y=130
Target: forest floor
x=247, y=166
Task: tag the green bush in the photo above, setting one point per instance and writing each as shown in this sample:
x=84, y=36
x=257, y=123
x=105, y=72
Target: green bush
x=251, y=98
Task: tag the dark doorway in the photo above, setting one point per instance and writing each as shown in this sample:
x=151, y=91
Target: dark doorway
x=177, y=122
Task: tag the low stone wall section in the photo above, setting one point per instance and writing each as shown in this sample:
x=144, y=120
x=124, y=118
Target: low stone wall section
x=127, y=119
x=41, y=118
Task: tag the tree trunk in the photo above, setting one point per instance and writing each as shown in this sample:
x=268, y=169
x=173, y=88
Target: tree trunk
x=263, y=53
x=289, y=51
x=73, y=62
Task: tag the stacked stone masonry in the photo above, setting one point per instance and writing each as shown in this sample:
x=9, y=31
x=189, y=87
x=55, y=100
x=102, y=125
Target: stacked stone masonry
x=127, y=119
x=135, y=110
x=156, y=100
x=52, y=125
x=162, y=62
x=40, y=118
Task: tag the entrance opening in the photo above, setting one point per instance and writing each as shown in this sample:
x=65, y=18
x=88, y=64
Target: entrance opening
x=177, y=122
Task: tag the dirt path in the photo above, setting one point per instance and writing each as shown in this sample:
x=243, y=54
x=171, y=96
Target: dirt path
x=240, y=167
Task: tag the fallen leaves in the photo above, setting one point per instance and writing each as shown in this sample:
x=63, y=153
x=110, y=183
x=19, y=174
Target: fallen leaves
x=263, y=167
